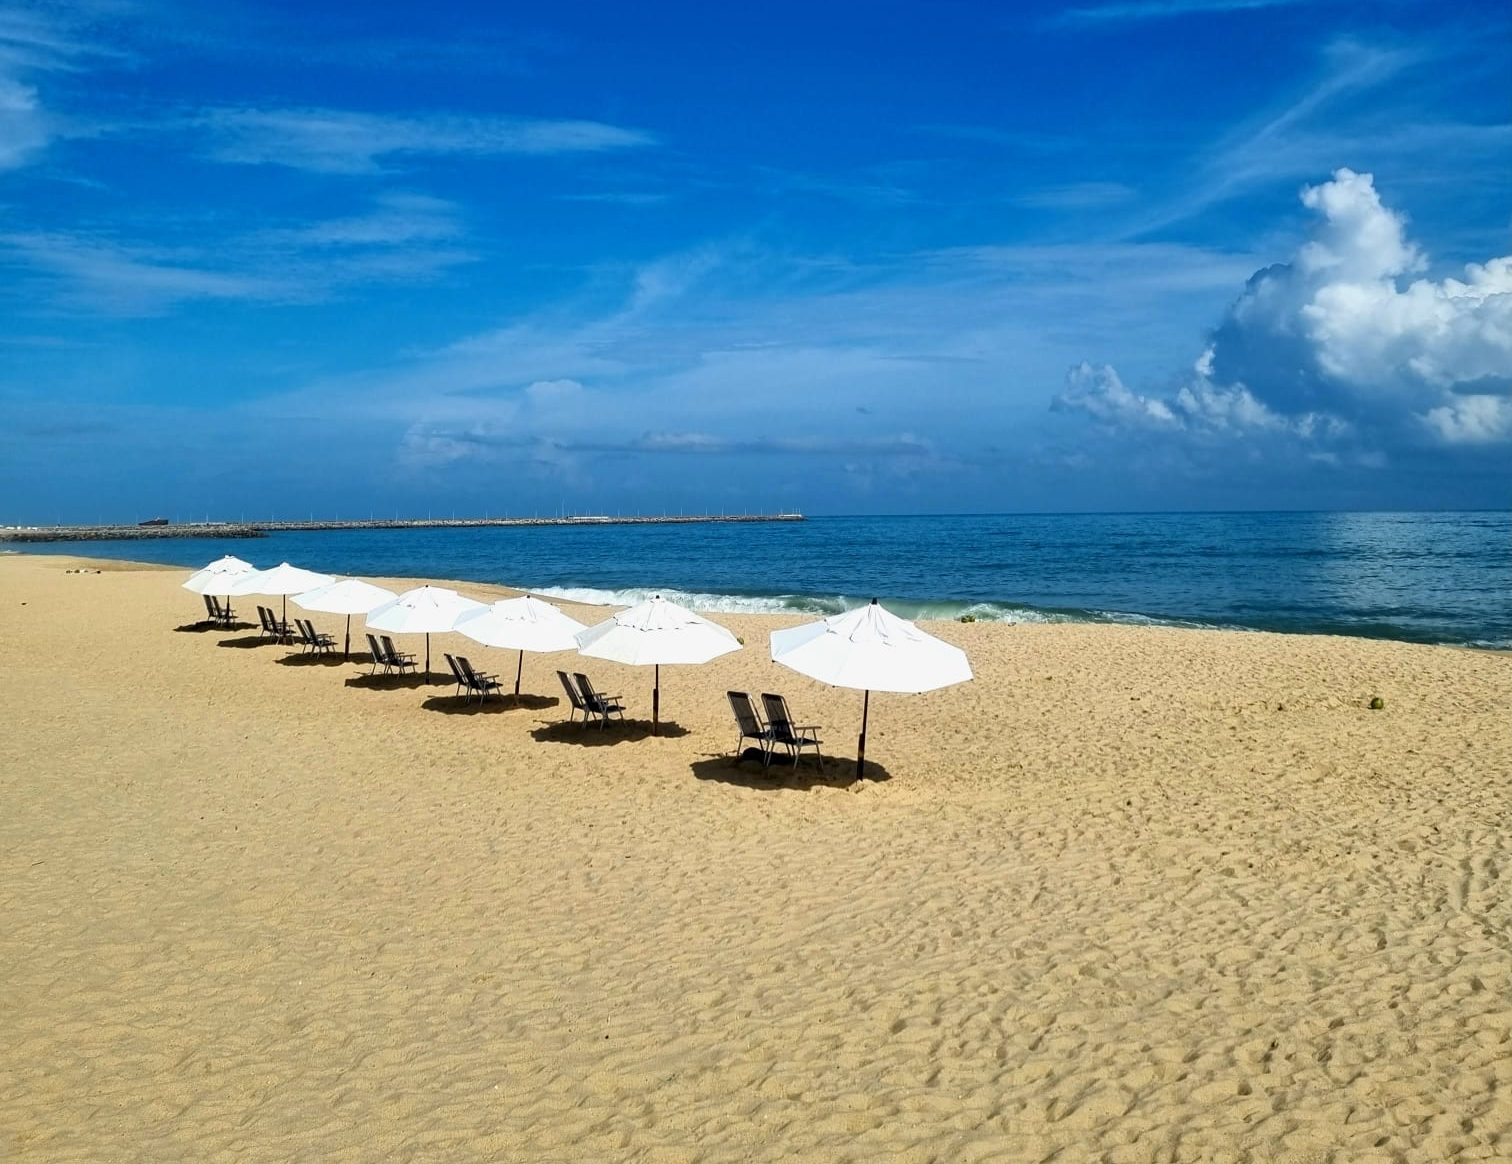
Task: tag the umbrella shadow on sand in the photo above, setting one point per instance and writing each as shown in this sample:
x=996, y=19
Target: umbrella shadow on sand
x=592, y=736
x=783, y=774
x=247, y=641
x=307, y=659
x=382, y=682
x=199, y=628
x=465, y=705
x=471, y=704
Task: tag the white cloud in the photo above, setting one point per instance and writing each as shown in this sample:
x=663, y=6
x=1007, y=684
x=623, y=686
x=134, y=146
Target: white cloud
x=336, y=141
x=1472, y=420
x=32, y=45
x=24, y=126
x=1333, y=345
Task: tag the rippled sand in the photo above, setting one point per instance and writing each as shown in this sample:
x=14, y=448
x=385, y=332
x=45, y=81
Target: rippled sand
x=1134, y=894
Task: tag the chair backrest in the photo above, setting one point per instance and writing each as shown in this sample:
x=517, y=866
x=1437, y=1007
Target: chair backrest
x=467, y=670
x=590, y=696
x=390, y=652
x=572, y=692
x=745, y=713
x=375, y=648
x=456, y=671
x=777, y=715
x=265, y=616
x=210, y=608
x=305, y=633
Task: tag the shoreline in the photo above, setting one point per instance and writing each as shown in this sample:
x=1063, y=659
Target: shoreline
x=819, y=606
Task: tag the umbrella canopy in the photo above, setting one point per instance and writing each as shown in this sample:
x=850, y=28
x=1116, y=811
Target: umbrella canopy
x=346, y=596
x=424, y=610
x=217, y=578
x=282, y=579
x=870, y=649
x=655, y=632
x=521, y=624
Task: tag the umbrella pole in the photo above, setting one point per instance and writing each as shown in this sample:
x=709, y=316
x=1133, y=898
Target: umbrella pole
x=861, y=743
x=519, y=669
x=656, y=700
x=427, y=656
x=346, y=651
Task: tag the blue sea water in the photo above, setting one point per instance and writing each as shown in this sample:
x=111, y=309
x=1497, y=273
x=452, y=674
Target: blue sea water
x=1422, y=577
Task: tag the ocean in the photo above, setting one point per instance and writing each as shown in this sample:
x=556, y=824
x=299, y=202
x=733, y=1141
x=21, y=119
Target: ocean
x=1420, y=577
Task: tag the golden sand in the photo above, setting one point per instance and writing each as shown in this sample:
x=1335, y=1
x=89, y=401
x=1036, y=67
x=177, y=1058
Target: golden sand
x=1132, y=895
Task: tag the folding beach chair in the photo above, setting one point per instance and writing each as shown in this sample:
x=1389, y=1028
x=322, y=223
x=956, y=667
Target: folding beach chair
x=314, y=640
x=376, y=650
x=750, y=725
x=574, y=699
x=395, y=659
x=602, y=706
x=456, y=674
x=479, y=683
x=794, y=737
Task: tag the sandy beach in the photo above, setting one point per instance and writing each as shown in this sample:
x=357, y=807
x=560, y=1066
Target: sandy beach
x=1134, y=894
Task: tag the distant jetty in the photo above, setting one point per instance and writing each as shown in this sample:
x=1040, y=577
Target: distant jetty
x=209, y=529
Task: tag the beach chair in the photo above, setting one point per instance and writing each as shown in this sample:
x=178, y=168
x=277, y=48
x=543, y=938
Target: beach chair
x=456, y=674
x=794, y=737
x=478, y=682
x=574, y=698
x=221, y=610
x=271, y=626
x=602, y=706
x=212, y=610
x=376, y=649
x=312, y=639
x=395, y=659
x=750, y=725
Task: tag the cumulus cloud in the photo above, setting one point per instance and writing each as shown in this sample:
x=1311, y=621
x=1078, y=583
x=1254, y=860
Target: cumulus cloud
x=1340, y=343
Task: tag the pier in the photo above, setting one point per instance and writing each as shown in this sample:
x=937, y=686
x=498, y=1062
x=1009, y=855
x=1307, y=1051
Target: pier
x=210, y=529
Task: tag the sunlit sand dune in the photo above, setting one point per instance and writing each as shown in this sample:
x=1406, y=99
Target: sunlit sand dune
x=1133, y=894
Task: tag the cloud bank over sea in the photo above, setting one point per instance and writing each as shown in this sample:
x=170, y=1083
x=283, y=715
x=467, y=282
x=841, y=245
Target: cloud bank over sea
x=1344, y=351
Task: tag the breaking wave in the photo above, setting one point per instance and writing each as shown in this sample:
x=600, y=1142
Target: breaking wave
x=827, y=604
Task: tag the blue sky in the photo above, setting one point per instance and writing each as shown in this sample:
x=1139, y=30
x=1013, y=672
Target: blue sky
x=278, y=259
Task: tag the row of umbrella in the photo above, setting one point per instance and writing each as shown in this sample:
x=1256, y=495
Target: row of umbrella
x=866, y=649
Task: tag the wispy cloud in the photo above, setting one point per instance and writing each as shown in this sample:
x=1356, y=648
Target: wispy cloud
x=102, y=275
x=404, y=238
x=397, y=218
x=335, y=141
x=1077, y=196
x=1302, y=137
x=33, y=45
x=1144, y=10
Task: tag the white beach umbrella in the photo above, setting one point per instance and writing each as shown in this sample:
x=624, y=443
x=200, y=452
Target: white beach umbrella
x=870, y=649
x=655, y=632
x=217, y=578
x=521, y=624
x=346, y=596
x=281, y=580
x=424, y=610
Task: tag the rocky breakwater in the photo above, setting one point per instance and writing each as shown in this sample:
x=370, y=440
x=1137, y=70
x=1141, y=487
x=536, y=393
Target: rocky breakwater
x=110, y=533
